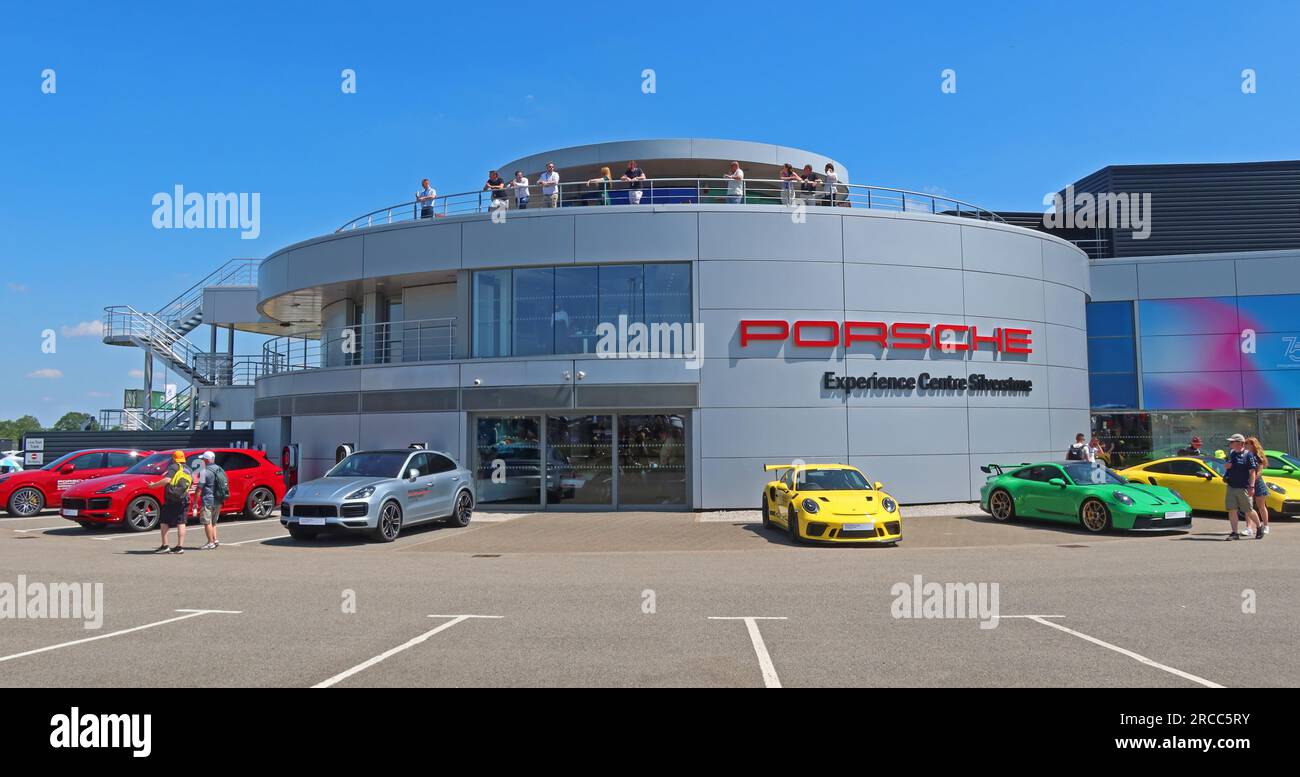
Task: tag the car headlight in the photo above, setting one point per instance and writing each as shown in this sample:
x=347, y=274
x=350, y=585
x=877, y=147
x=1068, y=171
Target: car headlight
x=1275, y=488
x=1122, y=498
x=889, y=505
x=810, y=506
x=290, y=493
x=361, y=493
x=111, y=489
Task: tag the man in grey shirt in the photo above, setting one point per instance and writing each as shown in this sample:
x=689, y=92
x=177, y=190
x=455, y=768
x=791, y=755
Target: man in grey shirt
x=210, y=505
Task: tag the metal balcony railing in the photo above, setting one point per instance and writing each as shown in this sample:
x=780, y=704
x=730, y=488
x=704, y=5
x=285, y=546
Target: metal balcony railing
x=431, y=339
x=678, y=191
x=184, y=312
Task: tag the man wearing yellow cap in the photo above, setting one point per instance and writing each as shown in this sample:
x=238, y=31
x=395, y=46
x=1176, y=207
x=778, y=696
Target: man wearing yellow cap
x=176, y=484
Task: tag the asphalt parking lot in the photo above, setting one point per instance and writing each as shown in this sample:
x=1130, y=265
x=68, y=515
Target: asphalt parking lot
x=655, y=599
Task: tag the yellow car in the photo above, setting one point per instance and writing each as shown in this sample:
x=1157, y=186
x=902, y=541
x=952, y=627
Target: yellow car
x=830, y=503
x=1199, y=480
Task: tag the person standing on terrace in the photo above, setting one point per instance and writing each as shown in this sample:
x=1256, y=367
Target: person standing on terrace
x=520, y=185
x=735, y=184
x=634, y=175
x=550, y=181
x=425, y=197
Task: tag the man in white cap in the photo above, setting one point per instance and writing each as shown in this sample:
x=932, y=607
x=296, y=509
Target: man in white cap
x=214, y=487
x=1242, y=469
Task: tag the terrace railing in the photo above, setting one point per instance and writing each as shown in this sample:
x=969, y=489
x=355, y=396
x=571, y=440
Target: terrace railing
x=674, y=191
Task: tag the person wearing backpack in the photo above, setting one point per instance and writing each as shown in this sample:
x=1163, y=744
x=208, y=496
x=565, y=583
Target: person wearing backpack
x=1079, y=451
x=176, y=484
x=214, y=490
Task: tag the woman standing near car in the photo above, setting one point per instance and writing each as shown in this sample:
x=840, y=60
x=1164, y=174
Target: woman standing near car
x=1261, y=488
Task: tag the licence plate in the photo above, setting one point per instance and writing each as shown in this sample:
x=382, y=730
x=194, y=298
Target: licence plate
x=70, y=513
x=311, y=521
x=1179, y=514
x=859, y=527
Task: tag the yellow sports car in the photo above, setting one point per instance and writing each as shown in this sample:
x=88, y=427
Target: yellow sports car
x=1199, y=479
x=830, y=503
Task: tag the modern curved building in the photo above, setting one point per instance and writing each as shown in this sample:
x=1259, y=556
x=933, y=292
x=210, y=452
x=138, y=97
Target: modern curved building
x=603, y=354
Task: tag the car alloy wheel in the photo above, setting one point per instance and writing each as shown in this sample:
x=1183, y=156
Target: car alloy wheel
x=1001, y=506
x=390, y=522
x=1094, y=516
x=767, y=522
x=142, y=514
x=464, y=509
x=260, y=503
x=792, y=525
x=26, y=502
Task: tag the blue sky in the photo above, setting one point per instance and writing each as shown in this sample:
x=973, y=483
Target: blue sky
x=246, y=98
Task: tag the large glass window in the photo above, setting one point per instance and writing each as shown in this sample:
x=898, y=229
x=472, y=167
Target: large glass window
x=577, y=309
x=1112, y=355
x=580, y=460
x=534, y=312
x=507, y=460
x=557, y=310
x=622, y=293
x=492, y=309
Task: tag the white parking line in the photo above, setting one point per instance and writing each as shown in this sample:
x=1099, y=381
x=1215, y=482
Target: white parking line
x=770, y=680
x=1135, y=656
x=190, y=614
x=264, y=539
x=341, y=676
x=44, y=528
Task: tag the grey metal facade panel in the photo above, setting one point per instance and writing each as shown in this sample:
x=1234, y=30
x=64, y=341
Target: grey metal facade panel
x=325, y=404
x=1113, y=282
x=1171, y=280
x=1207, y=208
x=632, y=396
x=522, y=398
x=410, y=400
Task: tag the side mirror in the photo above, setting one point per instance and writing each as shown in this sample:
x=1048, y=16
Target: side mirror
x=1056, y=482
x=412, y=473
x=879, y=486
x=67, y=469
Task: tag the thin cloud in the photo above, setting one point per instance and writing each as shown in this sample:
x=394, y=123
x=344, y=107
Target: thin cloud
x=17, y=287
x=135, y=374
x=49, y=373
x=98, y=395
x=85, y=329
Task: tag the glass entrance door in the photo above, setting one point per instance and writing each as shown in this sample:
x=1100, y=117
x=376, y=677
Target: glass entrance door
x=581, y=461
x=507, y=460
x=652, y=460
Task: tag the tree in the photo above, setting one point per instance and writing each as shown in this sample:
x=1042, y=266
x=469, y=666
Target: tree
x=74, y=421
x=14, y=430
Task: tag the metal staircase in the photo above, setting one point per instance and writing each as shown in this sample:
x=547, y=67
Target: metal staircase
x=163, y=335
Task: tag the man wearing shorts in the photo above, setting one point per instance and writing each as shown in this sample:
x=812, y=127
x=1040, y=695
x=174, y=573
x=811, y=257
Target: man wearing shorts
x=209, y=505
x=176, y=501
x=1242, y=471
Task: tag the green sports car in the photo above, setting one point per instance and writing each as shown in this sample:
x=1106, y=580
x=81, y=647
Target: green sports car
x=1092, y=496
x=1282, y=465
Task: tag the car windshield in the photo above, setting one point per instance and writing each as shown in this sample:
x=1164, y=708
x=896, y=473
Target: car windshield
x=1290, y=460
x=151, y=465
x=1217, y=465
x=832, y=480
x=1085, y=474
x=59, y=462
x=380, y=464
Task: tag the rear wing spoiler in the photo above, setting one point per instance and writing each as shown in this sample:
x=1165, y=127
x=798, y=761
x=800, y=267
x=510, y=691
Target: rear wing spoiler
x=774, y=467
x=998, y=469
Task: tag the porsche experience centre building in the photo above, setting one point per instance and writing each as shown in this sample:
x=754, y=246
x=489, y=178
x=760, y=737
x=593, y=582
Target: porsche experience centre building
x=652, y=345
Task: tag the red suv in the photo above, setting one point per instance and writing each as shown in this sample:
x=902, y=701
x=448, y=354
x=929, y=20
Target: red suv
x=256, y=487
x=26, y=493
